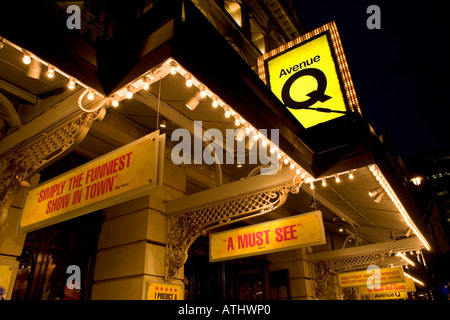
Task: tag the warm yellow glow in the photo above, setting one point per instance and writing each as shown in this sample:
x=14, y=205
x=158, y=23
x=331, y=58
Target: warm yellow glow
x=188, y=80
x=417, y=180
x=91, y=95
x=414, y=279
x=215, y=102
x=129, y=93
x=26, y=58
x=50, y=71
x=401, y=255
x=115, y=101
x=71, y=84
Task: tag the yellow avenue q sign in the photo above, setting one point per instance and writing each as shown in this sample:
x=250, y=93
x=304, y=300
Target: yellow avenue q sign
x=310, y=76
x=277, y=235
x=121, y=175
x=359, y=278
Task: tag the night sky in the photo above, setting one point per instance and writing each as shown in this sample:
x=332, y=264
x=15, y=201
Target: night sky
x=401, y=72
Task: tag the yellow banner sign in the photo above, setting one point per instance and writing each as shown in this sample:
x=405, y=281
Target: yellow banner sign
x=6, y=276
x=407, y=286
x=165, y=291
x=388, y=296
x=121, y=175
x=310, y=76
x=360, y=278
x=277, y=235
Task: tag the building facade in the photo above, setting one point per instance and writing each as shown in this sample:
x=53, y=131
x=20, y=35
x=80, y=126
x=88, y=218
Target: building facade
x=81, y=103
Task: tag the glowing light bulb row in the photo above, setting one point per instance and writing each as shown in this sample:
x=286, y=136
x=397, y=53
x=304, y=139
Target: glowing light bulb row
x=28, y=58
x=52, y=70
x=337, y=179
x=229, y=113
x=387, y=188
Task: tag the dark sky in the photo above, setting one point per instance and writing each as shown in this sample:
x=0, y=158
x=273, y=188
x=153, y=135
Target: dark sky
x=401, y=72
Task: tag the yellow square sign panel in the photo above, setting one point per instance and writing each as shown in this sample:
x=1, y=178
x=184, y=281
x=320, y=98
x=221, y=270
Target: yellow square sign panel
x=277, y=235
x=310, y=76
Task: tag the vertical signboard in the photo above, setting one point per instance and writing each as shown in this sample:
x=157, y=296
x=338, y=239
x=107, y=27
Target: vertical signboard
x=121, y=175
x=310, y=76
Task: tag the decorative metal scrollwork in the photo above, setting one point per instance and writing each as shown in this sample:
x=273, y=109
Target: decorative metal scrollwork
x=324, y=269
x=19, y=166
x=321, y=273
x=187, y=227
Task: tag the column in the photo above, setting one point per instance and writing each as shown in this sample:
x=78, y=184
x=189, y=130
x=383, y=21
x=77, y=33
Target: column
x=132, y=242
x=299, y=272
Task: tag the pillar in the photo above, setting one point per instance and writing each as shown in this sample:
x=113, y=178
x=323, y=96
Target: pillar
x=299, y=272
x=132, y=242
x=11, y=242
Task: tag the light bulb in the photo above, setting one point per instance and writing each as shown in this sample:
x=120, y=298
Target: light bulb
x=286, y=161
x=324, y=182
x=237, y=121
x=173, y=68
x=215, y=102
x=91, y=95
x=26, y=58
x=115, y=101
x=202, y=92
x=292, y=166
x=71, y=84
x=311, y=184
x=351, y=176
x=338, y=179
x=129, y=93
x=146, y=83
x=255, y=137
x=188, y=80
x=227, y=113
x=51, y=71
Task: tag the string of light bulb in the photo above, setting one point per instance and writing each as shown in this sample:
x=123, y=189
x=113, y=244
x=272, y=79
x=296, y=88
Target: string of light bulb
x=28, y=58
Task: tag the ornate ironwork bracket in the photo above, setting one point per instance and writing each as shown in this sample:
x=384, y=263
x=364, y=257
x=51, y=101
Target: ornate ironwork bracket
x=19, y=166
x=322, y=270
x=187, y=227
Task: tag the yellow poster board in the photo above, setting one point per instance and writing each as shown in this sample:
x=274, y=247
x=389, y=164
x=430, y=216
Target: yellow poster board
x=277, y=235
x=8, y=272
x=406, y=286
x=359, y=278
x=158, y=290
x=121, y=175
